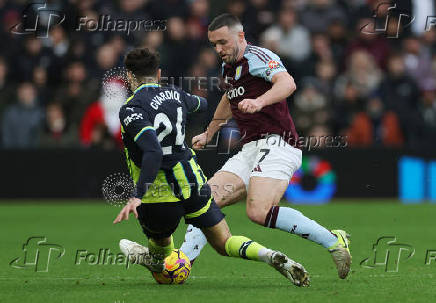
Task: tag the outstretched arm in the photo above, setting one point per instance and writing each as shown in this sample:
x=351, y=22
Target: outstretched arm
x=220, y=117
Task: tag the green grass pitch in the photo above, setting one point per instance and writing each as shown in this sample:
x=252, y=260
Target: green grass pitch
x=87, y=226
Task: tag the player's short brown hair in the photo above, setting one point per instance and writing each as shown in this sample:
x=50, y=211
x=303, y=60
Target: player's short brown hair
x=224, y=20
x=142, y=62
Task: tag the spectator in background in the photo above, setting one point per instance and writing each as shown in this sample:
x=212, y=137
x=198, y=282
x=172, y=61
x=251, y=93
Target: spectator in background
x=423, y=123
x=417, y=60
x=400, y=93
x=165, y=9
x=237, y=8
x=106, y=59
x=7, y=88
x=375, y=127
x=33, y=55
x=258, y=17
x=338, y=36
x=345, y=107
x=132, y=10
x=323, y=136
x=101, y=120
x=78, y=52
x=22, y=121
x=75, y=93
x=363, y=72
x=56, y=133
x=288, y=38
x=9, y=17
x=57, y=41
x=429, y=41
x=198, y=21
x=321, y=51
x=40, y=81
x=208, y=59
x=311, y=107
x=325, y=71
x=319, y=14
x=153, y=41
x=177, y=47
x=376, y=45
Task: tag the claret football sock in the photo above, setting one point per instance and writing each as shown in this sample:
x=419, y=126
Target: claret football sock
x=195, y=240
x=294, y=222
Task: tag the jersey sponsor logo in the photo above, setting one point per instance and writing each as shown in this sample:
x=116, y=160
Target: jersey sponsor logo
x=235, y=92
x=238, y=72
x=163, y=96
x=272, y=64
x=132, y=117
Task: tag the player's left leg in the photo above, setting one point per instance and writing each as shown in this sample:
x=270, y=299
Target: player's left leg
x=263, y=197
x=276, y=163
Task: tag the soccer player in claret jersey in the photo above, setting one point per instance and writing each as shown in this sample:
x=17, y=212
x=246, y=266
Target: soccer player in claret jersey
x=169, y=183
x=260, y=172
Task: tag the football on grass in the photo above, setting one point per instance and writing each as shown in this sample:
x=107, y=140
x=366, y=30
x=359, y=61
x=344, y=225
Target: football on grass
x=177, y=269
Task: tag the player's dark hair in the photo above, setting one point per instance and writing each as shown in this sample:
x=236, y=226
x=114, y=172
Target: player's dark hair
x=142, y=62
x=223, y=20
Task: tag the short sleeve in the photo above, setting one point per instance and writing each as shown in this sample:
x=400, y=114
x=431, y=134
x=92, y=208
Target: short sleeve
x=195, y=103
x=263, y=63
x=135, y=121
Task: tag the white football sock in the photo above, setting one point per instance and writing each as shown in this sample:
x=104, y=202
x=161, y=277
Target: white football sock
x=195, y=240
x=265, y=255
x=293, y=221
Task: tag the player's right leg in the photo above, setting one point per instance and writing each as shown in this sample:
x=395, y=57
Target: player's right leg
x=224, y=243
x=227, y=189
x=152, y=257
x=158, y=222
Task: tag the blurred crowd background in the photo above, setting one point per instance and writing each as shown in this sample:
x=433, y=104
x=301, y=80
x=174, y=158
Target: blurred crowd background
x=376, y=89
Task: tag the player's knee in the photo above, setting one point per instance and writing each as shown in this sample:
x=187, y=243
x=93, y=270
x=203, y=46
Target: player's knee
x=256, y=214
x=222, y=199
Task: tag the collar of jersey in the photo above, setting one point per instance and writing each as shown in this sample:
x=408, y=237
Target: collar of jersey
x=151, y=84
